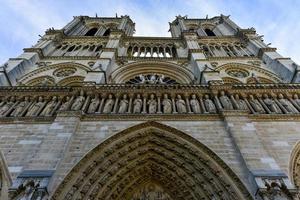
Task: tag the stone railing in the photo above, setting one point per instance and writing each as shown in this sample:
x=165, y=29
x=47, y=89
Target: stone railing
x=146, y=100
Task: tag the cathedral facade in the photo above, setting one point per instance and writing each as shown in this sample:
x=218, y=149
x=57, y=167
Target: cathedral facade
x=93, y=112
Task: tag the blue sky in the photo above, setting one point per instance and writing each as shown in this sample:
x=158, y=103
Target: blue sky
x=22, y=21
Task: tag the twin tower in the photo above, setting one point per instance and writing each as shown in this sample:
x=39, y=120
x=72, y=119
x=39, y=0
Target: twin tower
x=93, y=112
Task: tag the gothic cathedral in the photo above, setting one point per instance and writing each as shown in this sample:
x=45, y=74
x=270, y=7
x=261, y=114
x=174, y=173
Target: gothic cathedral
x=92, y=112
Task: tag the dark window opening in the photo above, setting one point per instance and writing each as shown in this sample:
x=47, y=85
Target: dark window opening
x=107, y=32
x=209, y=32
x=91, y=32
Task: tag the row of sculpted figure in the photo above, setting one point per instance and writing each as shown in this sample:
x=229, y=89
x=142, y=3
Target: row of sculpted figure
x=149, y=104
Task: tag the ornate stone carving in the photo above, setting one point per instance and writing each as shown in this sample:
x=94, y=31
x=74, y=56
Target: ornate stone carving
x=287, y=104
x=66, y=105
x=94, y=104
x=241, y=104
x=50, y=107
x=64, y=72
x=123, y=104
x=9, y=103
x=225, y=101
x=238, y=73
x=271, y=104
x=167, y=104
x=180, y=104
x=78, y=102
x=195, y=104
x=36, y=107
x=109, y=104
x=256, y=105
x=137, y=104
x=152, y=103
x=209, y=105
x=20, y=108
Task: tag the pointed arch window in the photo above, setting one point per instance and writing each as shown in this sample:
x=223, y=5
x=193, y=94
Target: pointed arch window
x=107, y=32
x=91, y=32
x=209, y=32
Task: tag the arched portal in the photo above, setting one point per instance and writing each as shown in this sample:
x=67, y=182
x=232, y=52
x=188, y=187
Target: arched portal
x=151, y=160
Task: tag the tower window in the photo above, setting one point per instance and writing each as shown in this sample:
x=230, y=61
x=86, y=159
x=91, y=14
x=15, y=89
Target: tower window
x=91, y=32
x=107, y=32
x=209, y=32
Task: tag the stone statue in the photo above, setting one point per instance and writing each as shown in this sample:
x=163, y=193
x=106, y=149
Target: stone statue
x=50, y=107
x=256, y=105
x=142, y=77
x=152, y=104
x=225, y=101
x=195, y=104
x=108, y=104
x=296, y=99
x=152, y=79
x=287, y=104
x=137, y=104
x=36, y=107
x=78, y=102
x=241, y=104
x=180, y=104
x=66, y=104
x=271, y=104
x=10, y=102
x=20, y=107
x=123, y=104
x=94, y=104
x=161, y=79
x=167, y=104
x=209, y=104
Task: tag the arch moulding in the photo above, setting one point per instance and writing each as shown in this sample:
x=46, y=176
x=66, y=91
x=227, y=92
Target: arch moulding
x=153, y=159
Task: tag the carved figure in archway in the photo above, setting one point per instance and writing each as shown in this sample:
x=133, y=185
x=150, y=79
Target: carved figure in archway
x=241, y=104
x=20, y=107
x=152, y=104
x=10, y=102
x=167, y=104
x=65, y=106
x=209, y=104
x=225, y=101
x=123, y=104
x=271, y=104
x=109, y=104
x=137, y=104
x=36, y=107
x=94, y=104
x=287, y=104
x=256, y=105
x=79, y=101
x=296, y=99
x=195, y=104
x=50, y=107
x=180, y=104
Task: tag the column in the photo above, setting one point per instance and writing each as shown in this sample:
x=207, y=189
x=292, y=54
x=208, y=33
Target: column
x=144, y=104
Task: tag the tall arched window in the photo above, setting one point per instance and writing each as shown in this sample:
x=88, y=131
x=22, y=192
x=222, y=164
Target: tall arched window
x=107, y=32
x=91, y=32
x=209, y=32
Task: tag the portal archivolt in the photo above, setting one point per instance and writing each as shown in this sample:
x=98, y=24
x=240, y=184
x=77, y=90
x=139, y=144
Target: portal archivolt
x=151, y=161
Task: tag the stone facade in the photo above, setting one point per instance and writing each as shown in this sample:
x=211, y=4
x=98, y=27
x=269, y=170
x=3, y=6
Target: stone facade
x=93, y=112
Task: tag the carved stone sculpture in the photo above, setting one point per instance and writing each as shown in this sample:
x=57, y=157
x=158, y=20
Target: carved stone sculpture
x=167, y=104
x=123, y=104
x=180, y=104
x=36, y=107
x=109, y=104
x=256, y=105
x=209, y=105
x=296, y=99
x=287, y=104
x=20, y=107
x=152, y=104
x=50, y=107
x=66, y=104
x=10, y=102
x=241, y=104
x=137, y=104
x=78, y=102
x=225, y=101
x=195, y=104
x=271, y=104
x=94, y=104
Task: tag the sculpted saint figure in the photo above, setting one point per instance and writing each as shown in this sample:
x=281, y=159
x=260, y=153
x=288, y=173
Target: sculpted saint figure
x=79, y=101
x=287, y=104
x=20, y=107
x=123, y=104
x=225, y=101
x=195, y=104
x=296, y=99
x=66, y=104
x=94, y=104
x=255, y=104
x=180, y=104
x=152, y=104
x=36, y=107
x=50, y=107
x=270, y=103
x=108, y=104
x=10, y=102
x=240, y=103
x=167, y=104
x=137, y=104
x=209, y=104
